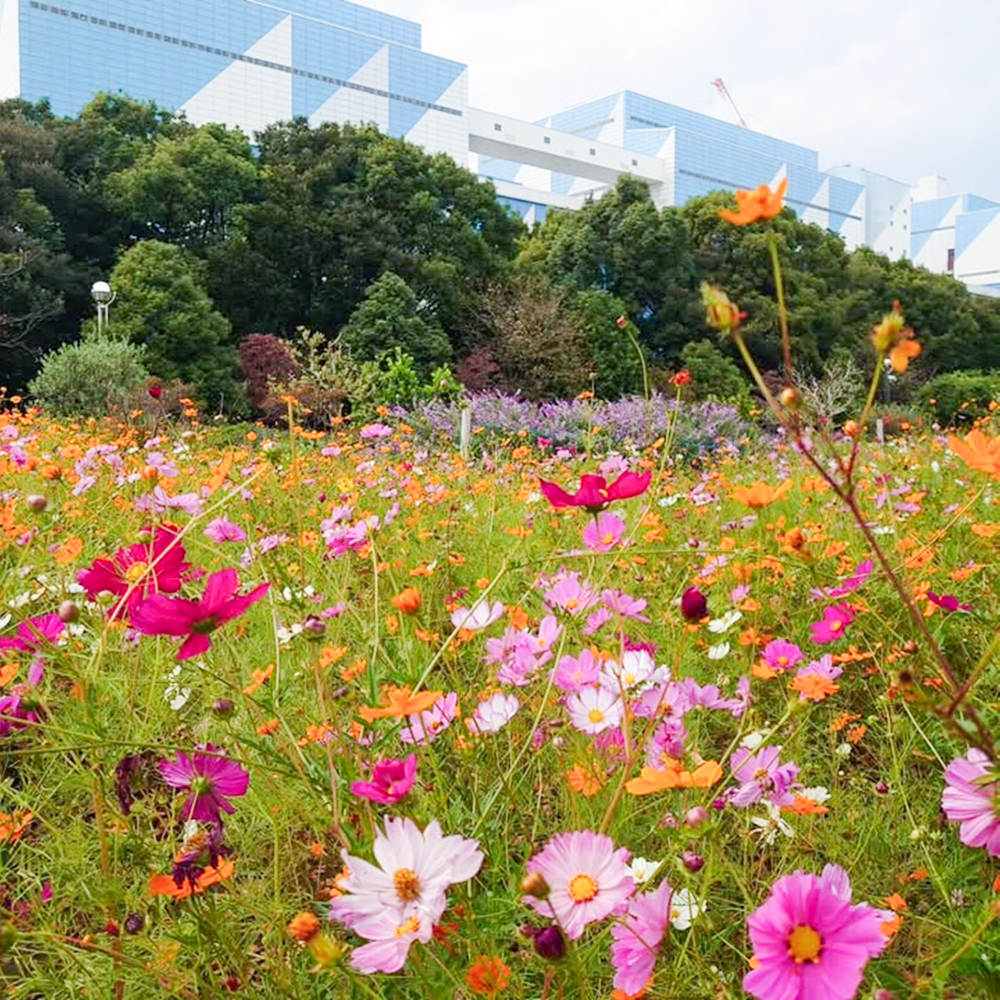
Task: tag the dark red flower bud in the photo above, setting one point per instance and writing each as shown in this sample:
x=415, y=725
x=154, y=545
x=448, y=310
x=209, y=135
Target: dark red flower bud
x=694, y=605
x=549, y=943
x=155, y=391
x=692, y=862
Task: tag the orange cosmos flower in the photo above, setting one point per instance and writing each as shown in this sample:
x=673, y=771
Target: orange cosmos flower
x=586, y=782
x=978, y=452
x=653, y=780
x=164, y=885
x=488, y=976
x=814, y=686
x=407, y=601
x=11, y=827
x=753, y=205
x=894, y=339
x=760, y=494
x=401, y=703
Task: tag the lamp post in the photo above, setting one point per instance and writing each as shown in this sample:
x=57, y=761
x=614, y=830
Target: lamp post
x=103, y=296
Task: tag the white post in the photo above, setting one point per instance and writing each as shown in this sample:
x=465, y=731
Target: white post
x=465, y=433
x=880, y=430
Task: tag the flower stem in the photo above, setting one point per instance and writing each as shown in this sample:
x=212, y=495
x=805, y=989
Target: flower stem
x=779, y=287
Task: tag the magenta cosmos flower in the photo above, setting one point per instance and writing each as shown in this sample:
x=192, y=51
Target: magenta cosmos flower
x=588, y=879
x=594, y=493
x=810, y=941
x=155, y=567
x=638, y=937
x=831, y=627
x=603, y=533
x=210, y=778
x=971, y=800
x=159, y=615
x=391, y=781
x=35, y=634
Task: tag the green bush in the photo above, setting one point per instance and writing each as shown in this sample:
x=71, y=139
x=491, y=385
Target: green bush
x=714, y=376
x=89, y=378
x=959, y=397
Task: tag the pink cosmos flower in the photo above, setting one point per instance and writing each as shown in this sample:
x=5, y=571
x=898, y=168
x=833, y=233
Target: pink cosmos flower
x=594, y=709
x=762, y=775
x=223, y=530
x=594, y=493
x=492, y=715
x=428, y=726
x=947, y=602
x=603, y=533
x=847, y=586
x=638, y=937
x=624, y=606
x=569, y=594
x=156, y=567
x=781, y=655
x=810, y=941
x=831, y=627
x=575, y=672
x=637, y=667
x=391, y=781
x=35, y=634
x=211, y=779
x=587, y=877
x=159, y=615
x=971, y=800
x=405, y=896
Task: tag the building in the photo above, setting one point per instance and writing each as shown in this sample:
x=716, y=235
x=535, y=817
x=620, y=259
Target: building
x=252, y=62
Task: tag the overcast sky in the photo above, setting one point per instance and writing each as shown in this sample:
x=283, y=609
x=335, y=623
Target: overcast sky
x=905, y=88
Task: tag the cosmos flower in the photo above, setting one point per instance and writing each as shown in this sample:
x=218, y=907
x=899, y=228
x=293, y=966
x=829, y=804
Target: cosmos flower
x=221, y=529
x=831, y=627
x=761, y=203
x=603, y=533
x=594, y=709
x=587, y=879
x=810, y=941
x=481, y=615
x=210, y=778
x=492, y=715
x=978, y=451
x=594, y=493
x=971, y=800
x=195, y=620
x=391, y=781
x=638, y=937
x=35, y=634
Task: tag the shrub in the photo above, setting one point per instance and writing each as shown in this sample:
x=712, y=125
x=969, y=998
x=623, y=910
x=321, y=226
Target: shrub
x=713, y=375
x=90, y=378
x=264, y=359
x=615, y=363
x=959, y=397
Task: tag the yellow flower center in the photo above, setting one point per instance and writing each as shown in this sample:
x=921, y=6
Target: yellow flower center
x=407, y=885
x=607, y=538
x=804, y=944
x=135, y=571
x=628, y=679
x=410, y=927
x=836, y=625
x=582, y=889
x=571, y=604
x=595, y=715
x=783, y=660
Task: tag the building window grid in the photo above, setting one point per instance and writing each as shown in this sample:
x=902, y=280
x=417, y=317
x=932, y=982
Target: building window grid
x=239, y=57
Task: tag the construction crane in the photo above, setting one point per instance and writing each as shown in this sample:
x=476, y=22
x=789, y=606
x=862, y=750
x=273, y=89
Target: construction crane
x=721, y=87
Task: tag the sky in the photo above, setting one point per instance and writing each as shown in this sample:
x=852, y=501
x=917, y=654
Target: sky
x=906, y=89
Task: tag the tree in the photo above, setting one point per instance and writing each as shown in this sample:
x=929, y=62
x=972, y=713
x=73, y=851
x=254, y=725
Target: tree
x=340, y=206
x=390, y=317
x=615, y=365
x=162, y=304
x=185, y=188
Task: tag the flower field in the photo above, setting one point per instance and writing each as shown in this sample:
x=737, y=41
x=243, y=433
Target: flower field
x=347, y=715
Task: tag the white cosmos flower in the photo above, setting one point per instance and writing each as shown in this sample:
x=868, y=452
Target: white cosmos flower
x=819, y=794
x=481, y=615
x=641, y=870
x=494, y=713
x=725, y=623
x=718, y=651
x=752, y=740
x=770, y=826
x=685, y=909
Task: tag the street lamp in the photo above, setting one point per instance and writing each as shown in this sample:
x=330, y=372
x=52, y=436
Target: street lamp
x=103, y=296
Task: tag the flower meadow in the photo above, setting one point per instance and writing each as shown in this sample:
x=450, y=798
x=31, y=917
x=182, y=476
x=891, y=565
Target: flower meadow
x=342, y=713
x=335, y=715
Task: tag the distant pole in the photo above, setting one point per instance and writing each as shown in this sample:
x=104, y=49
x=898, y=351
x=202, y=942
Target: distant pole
x=103, y=297
x=465, y=434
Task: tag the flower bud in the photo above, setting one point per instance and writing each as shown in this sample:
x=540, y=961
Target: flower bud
x=549, y=943
x=534, y=884
x=695, y=816
x=790, y=398
x=692, y=862
x=134, y=923
x=313, y=627
x=36, y=502
x=882, y=788
x=68, y=611
x=694, y=604
x=223, y=708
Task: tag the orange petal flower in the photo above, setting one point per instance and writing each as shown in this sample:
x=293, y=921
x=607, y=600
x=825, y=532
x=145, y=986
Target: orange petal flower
x=978, y=452
x=164, y=885
x=760, y=494
x=488, y=976
x=900, y=355
x=753, y=205
x=407, y=601
x=814, y=686
x=401, y=703
x=652, y=779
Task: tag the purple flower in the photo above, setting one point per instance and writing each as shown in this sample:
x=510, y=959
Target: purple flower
x=210, y=778
x=762, y=775
x=223, y=530
x=391, y=781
